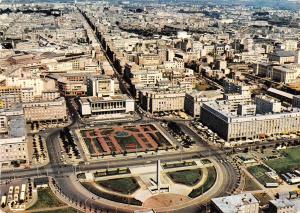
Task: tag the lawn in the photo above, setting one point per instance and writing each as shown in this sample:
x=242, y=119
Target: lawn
x=121, y=185
x=186, y=177
x=62, y=210
x=128, y=142
x=46, y=199
x=90, y=187
x=211, y=179
x=259, y=172
x=250, y=185
x=289, y=162
x=89, y=146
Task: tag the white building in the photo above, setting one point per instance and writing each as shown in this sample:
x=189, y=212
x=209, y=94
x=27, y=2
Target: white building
x=112, y=106
x=100, y=86
x=161, y=100
x=221, y=117
x=242, y=203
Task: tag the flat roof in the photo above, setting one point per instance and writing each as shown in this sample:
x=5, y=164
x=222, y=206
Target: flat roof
x=233, y=203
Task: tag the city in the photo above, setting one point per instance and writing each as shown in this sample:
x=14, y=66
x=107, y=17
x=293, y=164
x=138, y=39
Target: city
x=150, y=106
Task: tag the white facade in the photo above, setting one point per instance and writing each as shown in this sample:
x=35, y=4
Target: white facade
x=231, y=126
x=103, y=106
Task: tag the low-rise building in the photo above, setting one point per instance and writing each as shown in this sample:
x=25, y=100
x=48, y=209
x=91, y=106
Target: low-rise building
x=106, y=106
x=282, y=205
x=242, y=203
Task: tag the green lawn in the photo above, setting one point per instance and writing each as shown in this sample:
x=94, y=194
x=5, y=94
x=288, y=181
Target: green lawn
x=288, y=163
x=90, y=187
x=128, y=142
x=259, y=172
x=46, y=199
x=211, y=179
x=186, y=177
x=63, y=210
x=122, y=185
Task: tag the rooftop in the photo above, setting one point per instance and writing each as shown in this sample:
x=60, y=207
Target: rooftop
x=235, y=202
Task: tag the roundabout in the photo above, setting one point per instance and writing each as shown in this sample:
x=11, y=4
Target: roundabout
x=161, y=186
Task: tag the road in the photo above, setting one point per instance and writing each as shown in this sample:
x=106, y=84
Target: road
x=62, y=173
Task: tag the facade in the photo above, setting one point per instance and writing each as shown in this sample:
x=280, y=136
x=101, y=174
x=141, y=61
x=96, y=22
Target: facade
x=242, y=203
x=10, y=95
x=106, y=106
x=100, y=86
x=46, y=111
x=161, y=100
x=218, y=116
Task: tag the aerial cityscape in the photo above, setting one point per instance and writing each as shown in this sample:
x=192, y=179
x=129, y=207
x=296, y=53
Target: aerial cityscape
x=150, y=106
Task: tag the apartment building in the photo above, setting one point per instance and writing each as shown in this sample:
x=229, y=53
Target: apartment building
x=161, y=100
x=46, y=111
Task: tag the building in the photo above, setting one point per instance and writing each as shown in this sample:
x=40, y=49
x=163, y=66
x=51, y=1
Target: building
x=112, y=106
x=54, y=111
x=282, y=57
x=162, y=100
x=10, y=95
x=13, y=137
x=267, y=104
x=242, y=203
x=296, y=101
x=282, y=205
x=223, y=119
x=194, y=100
x=100, y=86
